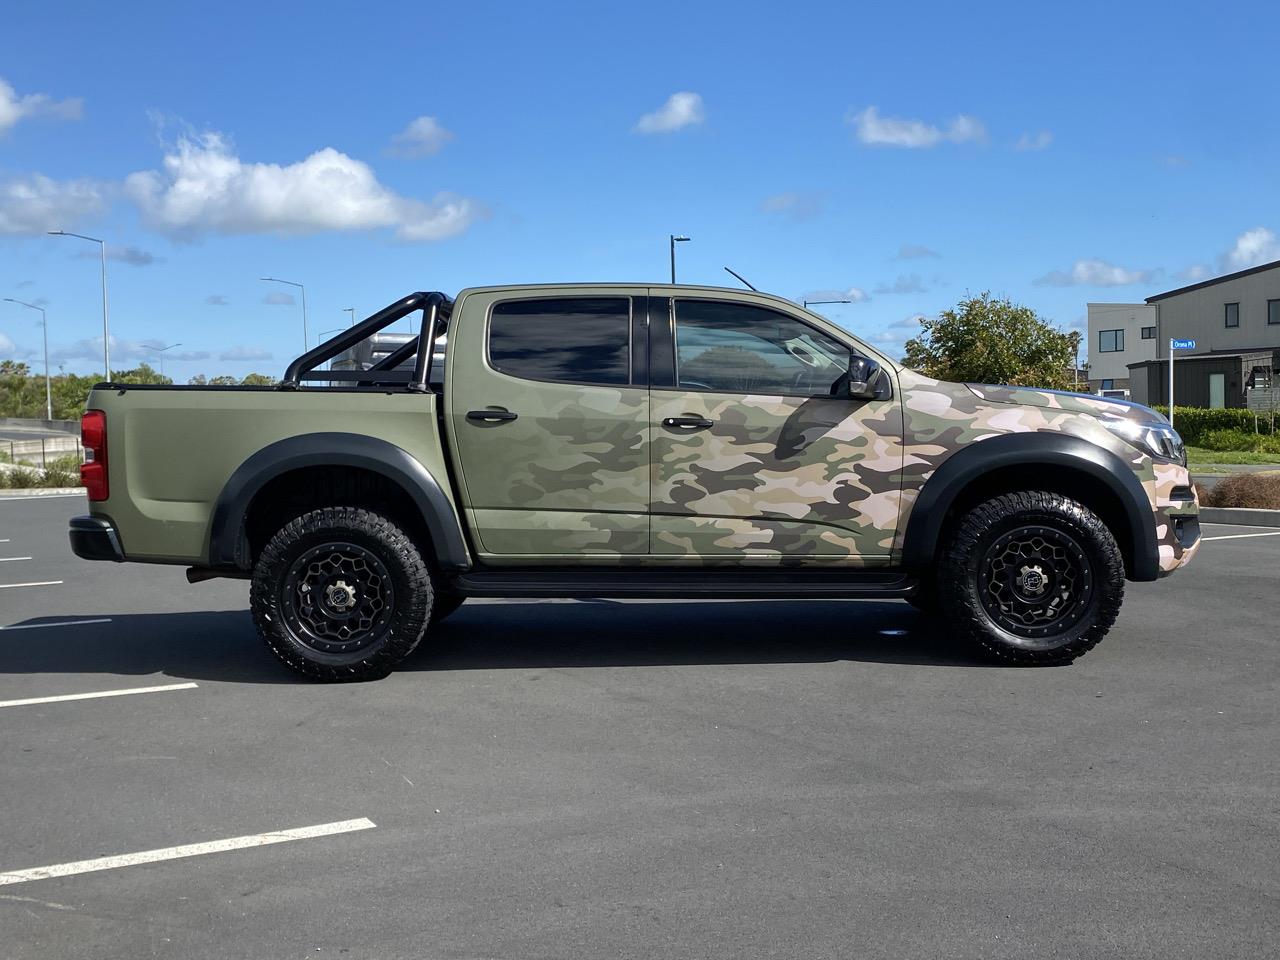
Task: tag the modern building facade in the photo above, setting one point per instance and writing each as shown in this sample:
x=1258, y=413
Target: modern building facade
x=1234, y=320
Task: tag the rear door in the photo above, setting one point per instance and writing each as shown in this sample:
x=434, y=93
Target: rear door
x=756, y=457
x=548, y=408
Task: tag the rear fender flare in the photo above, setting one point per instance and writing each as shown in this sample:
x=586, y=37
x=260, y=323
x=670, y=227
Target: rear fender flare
x=228, y=545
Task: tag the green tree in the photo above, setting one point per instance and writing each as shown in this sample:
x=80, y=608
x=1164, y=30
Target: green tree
x=985, y=340
x=258, y=380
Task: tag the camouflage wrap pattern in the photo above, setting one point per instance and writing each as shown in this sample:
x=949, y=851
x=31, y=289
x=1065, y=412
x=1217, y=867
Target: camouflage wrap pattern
x=784, y=479
x=942, y=417
x=1168, y=478
x=569, y=476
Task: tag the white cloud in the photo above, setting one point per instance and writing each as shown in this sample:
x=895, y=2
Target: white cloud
x=1197, y=271
x=206, y=188
x=852, y=294
x=906, y=283
x=873, y=129
x=915, y=251
x=8, y=349
x=122, y=351
x=217, y=300
x=1251, y=248
x=1034, y=141
x=1094, y=273
x=279, y=299
x=34, y=204
x=793, y=206
x=14, y=108
x=681, y=110
x=246, y=354
x=421, y=138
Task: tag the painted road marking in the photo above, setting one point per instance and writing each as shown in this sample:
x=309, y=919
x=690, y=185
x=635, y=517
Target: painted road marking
x=35, y=583
x=7, y=559
x=97, y=694
x=1241, y=536
x=54, y=623
x=189, y=850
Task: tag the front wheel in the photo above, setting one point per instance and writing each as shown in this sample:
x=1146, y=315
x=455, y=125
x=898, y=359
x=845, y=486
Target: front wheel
x=341, y=593
x=1031, y=578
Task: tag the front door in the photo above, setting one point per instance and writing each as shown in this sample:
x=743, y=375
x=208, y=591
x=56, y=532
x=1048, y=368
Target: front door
x=549, y=414
x=756, y=456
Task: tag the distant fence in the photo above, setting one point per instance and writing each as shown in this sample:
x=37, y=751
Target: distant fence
x=45, y=426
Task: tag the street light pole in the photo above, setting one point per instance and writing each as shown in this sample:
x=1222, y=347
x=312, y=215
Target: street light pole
x=352, y=311
x=44, y=323
x=106, y=331
x=306, y=340
x=673, y=239
x=807, y=302
x=160, y=351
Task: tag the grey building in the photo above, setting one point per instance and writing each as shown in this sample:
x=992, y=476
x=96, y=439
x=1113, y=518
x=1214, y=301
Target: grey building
x=1234, y=319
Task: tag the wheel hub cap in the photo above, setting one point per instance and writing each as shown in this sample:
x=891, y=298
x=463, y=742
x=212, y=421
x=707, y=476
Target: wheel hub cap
x=338, y=597
x=1035, y=582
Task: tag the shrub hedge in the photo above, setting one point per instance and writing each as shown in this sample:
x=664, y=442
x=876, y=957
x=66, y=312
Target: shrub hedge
x=1254, y=490
x=1194, y=423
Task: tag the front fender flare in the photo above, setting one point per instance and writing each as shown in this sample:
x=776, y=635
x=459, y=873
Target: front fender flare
x=1052, y=451
x=227, y=547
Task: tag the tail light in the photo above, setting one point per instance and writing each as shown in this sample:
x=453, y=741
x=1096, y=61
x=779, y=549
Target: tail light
x=93, y=472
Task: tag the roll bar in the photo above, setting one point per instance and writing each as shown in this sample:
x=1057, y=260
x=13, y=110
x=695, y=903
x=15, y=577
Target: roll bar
x=435, y=306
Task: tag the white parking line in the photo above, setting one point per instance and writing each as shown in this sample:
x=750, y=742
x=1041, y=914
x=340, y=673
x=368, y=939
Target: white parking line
x=34, y=583
x=54, y=623
x=1241, y=536
x=7, y=559
x=97, y=694
x=189, y=850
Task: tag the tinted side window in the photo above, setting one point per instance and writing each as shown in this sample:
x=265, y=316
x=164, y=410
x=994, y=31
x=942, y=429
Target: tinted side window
x=735, y=348
x=568, y=340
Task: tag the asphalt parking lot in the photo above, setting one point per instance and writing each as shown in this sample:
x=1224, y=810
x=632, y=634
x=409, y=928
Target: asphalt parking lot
x=663, y=779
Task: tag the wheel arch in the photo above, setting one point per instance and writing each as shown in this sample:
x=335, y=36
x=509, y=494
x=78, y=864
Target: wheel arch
x=330, y=455
x=1059, y=463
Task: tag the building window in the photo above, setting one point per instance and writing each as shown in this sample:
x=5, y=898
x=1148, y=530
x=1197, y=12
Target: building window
x=563, y=340
x=1273, y=311
x=1108, y=385
x=1148, y=333
x=1110, y=341
x=1232, y=314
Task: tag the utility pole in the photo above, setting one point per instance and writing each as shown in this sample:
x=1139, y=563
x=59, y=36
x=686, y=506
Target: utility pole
x=44, y=323
x=106, y=332
x=674, y=239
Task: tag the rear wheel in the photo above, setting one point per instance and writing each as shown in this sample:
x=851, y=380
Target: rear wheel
x=341, y=593
x=1031, y=578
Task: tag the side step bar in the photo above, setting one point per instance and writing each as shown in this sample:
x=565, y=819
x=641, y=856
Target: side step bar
x=687, y=583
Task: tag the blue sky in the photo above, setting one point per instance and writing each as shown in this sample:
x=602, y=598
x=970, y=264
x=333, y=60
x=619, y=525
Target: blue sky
x=901, y=154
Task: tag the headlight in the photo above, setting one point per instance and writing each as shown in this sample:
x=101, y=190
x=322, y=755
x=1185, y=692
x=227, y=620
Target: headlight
x=1155, y=438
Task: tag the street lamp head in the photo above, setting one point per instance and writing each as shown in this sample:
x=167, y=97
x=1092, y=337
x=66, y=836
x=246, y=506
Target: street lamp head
x=680, y=239
x=57, y=233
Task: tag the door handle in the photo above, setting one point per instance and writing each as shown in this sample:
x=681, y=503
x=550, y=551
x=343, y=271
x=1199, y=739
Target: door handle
x=490, y=416
x=688, y=423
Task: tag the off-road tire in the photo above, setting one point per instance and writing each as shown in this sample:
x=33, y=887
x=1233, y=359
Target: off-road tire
x=989, y=598
x=445, y=604
x=390, y=587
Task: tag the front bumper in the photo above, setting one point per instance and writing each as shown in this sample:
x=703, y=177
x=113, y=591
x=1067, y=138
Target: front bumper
x=95, y=539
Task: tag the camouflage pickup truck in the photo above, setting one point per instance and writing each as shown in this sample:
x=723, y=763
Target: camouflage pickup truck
x=632, y=441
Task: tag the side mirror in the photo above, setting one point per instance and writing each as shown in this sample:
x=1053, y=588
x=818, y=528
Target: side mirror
x=864, y=374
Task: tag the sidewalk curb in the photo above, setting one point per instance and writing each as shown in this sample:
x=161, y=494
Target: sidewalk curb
x=1243, y=516
x=40, y=492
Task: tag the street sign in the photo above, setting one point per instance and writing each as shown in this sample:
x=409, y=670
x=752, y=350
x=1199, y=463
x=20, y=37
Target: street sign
x=1176, y=345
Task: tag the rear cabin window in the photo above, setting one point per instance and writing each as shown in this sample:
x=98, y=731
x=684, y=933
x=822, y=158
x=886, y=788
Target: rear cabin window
x=563, y=340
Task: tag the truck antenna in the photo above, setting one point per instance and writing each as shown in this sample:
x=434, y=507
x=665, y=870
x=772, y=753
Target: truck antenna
x=740, y=277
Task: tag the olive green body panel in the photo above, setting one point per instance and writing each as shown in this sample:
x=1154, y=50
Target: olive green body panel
x=569, y=477
x=171, y=452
